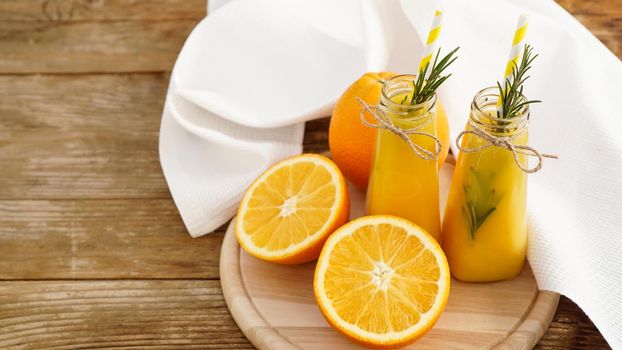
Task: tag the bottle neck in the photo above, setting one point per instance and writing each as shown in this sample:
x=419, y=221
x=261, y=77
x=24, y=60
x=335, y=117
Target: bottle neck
x=484, y=115
x=395, y=102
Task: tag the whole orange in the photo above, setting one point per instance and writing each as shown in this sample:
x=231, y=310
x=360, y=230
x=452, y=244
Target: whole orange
x=352, y=143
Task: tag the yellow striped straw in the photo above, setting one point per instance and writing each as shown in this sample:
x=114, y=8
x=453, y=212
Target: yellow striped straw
x=431, y=43
x=516, y=52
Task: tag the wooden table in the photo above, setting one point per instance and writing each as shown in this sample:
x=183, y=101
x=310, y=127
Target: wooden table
x=93, y=253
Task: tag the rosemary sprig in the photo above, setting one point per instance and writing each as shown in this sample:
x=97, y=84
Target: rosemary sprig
x=511, y=94
x=424, y=89
x=480, y=198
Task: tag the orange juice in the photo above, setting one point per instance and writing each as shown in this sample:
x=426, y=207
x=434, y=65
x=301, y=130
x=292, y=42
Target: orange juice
x=484, y=227
x=401, y=182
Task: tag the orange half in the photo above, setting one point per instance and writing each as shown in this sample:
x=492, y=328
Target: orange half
x=381, y=281
x=288, y=212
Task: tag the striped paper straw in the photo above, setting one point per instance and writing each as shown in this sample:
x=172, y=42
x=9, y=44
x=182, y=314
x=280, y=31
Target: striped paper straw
x=431, y=43
x=515, y=54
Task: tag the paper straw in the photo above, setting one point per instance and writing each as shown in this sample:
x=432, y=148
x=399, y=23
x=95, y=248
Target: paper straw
x=431, y=43
x=516, y=52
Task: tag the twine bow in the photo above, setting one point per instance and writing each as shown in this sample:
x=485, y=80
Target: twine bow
x=503, y=142
x=384, y=122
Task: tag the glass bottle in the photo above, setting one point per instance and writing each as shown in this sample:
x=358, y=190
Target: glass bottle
x=401, y=182
x=484, y=227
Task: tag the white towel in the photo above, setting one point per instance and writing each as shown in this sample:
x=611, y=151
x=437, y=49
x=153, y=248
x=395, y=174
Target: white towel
x=247, y=79
x=575, y=203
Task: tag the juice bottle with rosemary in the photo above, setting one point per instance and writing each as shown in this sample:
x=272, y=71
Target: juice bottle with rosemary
x=404, y=173
x=484, y=227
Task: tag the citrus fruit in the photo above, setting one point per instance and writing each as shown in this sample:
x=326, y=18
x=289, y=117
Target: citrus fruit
x=288, y=212
x=381, y=281
x=352, y=143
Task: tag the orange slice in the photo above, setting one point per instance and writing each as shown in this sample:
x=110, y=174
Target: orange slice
x=286, y=215
x=381, y=281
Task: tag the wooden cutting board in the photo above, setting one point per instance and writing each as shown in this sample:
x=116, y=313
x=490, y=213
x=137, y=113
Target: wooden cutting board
x=274, y=305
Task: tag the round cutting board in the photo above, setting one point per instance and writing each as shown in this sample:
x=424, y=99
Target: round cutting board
x=274, y=305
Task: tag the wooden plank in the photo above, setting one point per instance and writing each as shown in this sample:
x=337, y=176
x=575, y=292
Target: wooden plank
x=602, y=17
x=613, y=43
x=101, y=239
x=145, y=45
x=602, y=25
x=571, y=329
x=81, y=10
x=79, y=47
x=606, y=27
x=81, y=136
x=609, y=7
x=316, y=136
x=116, y=314
x=89, y=136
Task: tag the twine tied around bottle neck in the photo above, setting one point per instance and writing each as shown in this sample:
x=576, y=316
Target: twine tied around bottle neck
x=382, y=121
x=503, y=142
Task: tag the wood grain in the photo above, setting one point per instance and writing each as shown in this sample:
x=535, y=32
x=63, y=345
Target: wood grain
x=99, y=36
x=606, y=27
x=316, y=136
x=81, y=136
x=91, y=46
x=571, y=329
x=168, y=314
x=602, y=18
x=101, y=239
x=99, y=10
x=601, y=7
x=116, y=314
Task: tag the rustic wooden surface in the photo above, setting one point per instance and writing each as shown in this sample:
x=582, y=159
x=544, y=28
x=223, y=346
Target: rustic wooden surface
x=92, y=251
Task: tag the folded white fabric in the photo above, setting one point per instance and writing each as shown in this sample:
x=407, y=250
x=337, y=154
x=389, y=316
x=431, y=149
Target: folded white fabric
x=270, y=65
x=247, y=79
x=208, y=171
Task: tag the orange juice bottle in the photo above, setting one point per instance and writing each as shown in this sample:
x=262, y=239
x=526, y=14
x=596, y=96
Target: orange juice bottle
x=484, y=227
x=401, y=182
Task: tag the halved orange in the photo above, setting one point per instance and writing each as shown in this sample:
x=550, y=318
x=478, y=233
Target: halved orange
x=381, y=281
x=288, y=212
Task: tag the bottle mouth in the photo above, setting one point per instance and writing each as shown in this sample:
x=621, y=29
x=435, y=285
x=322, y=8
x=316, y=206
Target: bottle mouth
x=484, y=113
x=402, y=85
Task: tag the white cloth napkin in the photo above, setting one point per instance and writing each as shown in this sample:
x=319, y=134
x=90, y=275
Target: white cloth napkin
x=246, y=80
x=575, y=203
